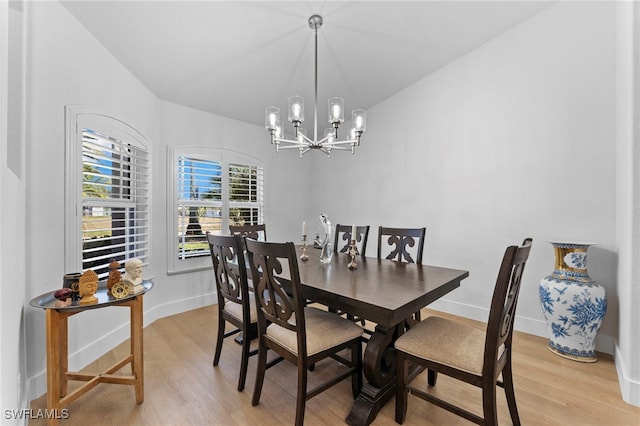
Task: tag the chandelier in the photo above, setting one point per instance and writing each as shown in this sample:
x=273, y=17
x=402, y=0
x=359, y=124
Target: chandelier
x=330, y=139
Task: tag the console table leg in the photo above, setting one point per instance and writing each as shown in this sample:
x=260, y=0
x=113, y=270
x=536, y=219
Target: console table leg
x=64, y=352
x=137, y=365
x=53, y=364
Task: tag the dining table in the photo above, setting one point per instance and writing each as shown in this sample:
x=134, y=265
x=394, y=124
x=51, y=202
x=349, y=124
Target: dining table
x=384, y=292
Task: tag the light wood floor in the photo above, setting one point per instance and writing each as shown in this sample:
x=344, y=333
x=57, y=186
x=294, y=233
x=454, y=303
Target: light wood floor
x=183, y=388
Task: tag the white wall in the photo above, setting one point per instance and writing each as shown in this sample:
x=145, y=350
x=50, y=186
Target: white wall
x=628, y=198
x=13, y=371
x=515, y=139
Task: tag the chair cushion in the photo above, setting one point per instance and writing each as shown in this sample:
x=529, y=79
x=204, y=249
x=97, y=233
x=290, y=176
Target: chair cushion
x=235, y=309
x=445, y=342
x=324, y=330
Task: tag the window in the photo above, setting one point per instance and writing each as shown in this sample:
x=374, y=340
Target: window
x=107, y=182
x=213, y=189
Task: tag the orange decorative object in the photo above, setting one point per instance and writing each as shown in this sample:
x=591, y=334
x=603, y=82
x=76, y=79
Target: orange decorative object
x=114, y=275
x=87, y=287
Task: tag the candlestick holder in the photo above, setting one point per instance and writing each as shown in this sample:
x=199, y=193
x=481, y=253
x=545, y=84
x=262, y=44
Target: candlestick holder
x=353, y=251
x=304, y=256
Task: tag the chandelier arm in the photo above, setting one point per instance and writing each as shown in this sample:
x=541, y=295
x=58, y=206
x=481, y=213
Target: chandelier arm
x=304, y=151
x=337, y=143
x=324, y=141
x=307, y=140
x=338, y=148
x=294, y=146
x=291, y=142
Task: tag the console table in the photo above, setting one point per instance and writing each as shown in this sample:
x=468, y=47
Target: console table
x=57, y=350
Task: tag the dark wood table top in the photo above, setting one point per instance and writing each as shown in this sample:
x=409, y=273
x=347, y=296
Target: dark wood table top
x=382, y=291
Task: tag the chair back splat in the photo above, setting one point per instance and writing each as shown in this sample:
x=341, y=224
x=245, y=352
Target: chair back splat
x=274, y=301
x=342, y=239
x=397, y=240
x=256, y=232
x=503, y=308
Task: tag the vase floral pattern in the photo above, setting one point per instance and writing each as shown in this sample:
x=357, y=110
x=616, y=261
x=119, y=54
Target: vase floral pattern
x=573, y=305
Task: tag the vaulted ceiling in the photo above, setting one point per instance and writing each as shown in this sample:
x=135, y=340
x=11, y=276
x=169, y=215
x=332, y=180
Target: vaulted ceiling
x=233, y=58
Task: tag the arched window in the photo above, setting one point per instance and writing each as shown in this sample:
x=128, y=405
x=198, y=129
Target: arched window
x=107, y=192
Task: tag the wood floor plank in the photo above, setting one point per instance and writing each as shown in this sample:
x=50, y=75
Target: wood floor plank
x=183, y=388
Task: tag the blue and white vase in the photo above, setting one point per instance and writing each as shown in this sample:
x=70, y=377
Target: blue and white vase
x=572, y=303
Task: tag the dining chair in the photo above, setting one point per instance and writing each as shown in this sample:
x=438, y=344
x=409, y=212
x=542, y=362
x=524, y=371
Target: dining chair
x=397, y=242
x=301, y=334
x=343, y=232
x=474, y=356
x=257, y=232
x=235, y=303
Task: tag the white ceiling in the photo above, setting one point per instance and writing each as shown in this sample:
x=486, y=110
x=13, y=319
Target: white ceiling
x=233, y=58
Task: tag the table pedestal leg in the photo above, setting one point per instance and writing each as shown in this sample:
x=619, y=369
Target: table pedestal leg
x=380, y=370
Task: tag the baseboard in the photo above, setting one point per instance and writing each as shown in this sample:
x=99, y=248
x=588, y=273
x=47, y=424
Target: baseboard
x=629, y=388
x=37, y=385
x=25, y=404
x=533, y=326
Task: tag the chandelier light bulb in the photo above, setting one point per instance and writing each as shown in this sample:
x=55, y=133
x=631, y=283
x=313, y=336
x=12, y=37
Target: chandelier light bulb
x=271, y=118
x=296, y=110
x=359, y=117
x=336, y=111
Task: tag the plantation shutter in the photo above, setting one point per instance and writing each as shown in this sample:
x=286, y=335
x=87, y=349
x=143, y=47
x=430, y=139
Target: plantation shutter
x=199, y=204
x=115, y=195
x=246, y=189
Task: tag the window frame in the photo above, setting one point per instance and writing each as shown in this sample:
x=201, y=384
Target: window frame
x=77, y=118
x=223, y=156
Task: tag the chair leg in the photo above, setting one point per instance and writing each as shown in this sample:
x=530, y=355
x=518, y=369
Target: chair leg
x=301, y=398
x=507, y=380
x=401, y=387
x=246, y=346
x=356, y=359
x=489, y=406
x=262, y=367
x=432, y=377
x=219, y=340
